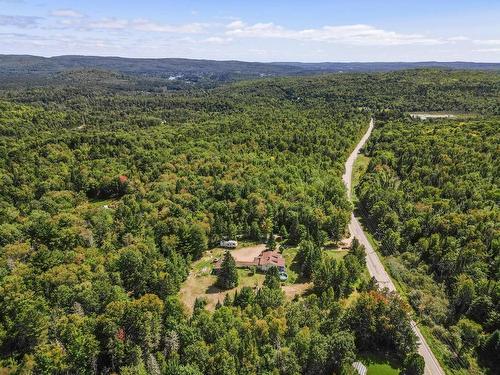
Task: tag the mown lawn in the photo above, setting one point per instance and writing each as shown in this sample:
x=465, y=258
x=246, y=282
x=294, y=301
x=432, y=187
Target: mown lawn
x=336, y=254
x=381, y=369
x=380, y=363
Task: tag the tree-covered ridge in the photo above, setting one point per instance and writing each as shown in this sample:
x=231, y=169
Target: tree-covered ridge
x=431, y=193
x=93, y=93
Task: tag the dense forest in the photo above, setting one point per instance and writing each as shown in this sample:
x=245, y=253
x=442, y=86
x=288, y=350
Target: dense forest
x=431, y=194
x=111, y=187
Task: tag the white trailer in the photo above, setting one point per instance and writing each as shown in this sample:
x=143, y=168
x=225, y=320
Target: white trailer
x=229, y=244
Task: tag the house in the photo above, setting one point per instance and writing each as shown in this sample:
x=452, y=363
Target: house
x=228, y=244
x=268, y=259
x=263, y=262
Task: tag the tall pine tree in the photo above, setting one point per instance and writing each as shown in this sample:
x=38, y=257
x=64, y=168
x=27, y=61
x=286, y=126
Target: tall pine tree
x=228, y=275
x=271, y=244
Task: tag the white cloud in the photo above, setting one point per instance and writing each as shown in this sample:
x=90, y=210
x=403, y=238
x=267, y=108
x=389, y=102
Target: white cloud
x=69, y=13
x=259, y=30
x=235, y=25
x=350, y=34
x=217, y=40
x=489, y=42
x=145, y=25
x=459, y=38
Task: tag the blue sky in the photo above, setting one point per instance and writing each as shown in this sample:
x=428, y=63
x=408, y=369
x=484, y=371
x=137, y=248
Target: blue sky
x=255, y=30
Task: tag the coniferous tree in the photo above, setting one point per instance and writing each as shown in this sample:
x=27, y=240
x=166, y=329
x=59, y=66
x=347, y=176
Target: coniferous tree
x=245, y=297
x=310, y=257
x=228, y=275
x=413, y=364
x=272, y=280
x=271, y=242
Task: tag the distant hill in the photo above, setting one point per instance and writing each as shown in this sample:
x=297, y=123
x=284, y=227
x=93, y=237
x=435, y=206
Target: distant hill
x=171, y=66
x=389, y=66
x=37, y=64
x=174, y=72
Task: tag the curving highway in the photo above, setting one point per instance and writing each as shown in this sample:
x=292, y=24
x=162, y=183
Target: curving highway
x=375, y=267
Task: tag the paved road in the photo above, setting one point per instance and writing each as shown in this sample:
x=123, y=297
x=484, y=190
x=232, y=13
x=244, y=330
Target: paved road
x=375, y=267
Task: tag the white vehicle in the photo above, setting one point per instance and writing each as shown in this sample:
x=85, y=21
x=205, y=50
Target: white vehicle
x=229, y=244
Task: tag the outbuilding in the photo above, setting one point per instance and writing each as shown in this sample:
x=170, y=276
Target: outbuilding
x=360, y=368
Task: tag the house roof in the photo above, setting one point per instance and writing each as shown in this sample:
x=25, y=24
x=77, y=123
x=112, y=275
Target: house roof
x=272, y=258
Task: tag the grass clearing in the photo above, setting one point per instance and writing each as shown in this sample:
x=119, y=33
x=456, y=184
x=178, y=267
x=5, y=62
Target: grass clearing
x=336, y=254
x=102, y=202
x=380, y=363
x=381, y=369
x=248, y=278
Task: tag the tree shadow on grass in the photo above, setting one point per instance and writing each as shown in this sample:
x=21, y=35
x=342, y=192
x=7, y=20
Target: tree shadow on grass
x=214, y=289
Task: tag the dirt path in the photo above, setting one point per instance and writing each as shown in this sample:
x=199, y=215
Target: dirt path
x=375, y=266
